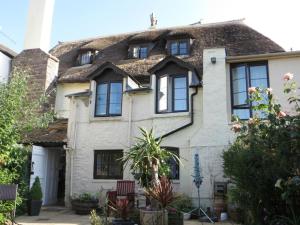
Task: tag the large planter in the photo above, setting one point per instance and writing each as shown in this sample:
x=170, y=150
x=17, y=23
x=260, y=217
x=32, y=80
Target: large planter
x=175, y=218
x=34, y=207
x=122, y=222
x=153, y=217
x=84, y=207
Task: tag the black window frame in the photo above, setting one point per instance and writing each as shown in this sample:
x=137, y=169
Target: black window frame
x=139, y=47
x=175, y=151
x=108, y=177
x=172, y=110
x=177, y=42
x=247, y=66
x=108, y=98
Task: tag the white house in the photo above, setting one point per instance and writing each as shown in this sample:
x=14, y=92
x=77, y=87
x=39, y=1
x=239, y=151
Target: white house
x=6, y=56
x=184, y=82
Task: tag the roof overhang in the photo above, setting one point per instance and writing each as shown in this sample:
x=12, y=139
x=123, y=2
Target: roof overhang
x=109, y=65
x=266, y=56
x=171, y=59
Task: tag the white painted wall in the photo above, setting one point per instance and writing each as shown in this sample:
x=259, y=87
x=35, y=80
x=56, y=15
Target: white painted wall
x=62, y=102
x=39, y=24
x=209, y=136
x=5, y=67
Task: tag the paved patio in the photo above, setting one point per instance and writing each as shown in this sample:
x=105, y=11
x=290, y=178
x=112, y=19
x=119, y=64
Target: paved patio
x=64, y=216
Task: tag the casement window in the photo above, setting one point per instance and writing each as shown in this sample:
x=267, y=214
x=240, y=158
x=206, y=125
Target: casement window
x=173, y=163
x=85, y=58
x=243, y=76
x=109, y=98
x=140, y=52
x=179, y=47
x=172, y=93
x=107, y=164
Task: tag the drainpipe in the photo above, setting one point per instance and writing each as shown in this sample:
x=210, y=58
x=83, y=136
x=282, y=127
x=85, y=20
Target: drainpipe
x=188, y=124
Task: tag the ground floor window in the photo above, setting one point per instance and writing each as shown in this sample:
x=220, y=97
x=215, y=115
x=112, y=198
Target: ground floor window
x=173, y=164
x=107, y=164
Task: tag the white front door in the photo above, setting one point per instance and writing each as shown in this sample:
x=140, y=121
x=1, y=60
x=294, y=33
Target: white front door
x=39, y=167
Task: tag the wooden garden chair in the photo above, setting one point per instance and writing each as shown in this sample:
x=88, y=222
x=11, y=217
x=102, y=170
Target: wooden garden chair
x=8, y=192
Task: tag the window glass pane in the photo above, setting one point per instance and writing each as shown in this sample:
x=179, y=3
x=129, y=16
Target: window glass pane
x=85, y=58
x=108, y=164
x=101, y=99
x=174, y=49
x=162, y=94
x=135, y=52
x=173, y=164
x=180, y=105
x=258, y=72
x=239, y=85
x=238, y=73
x=242, y=113
x=180, y=82
x=115, y=98
x=183, y=48
x=180, y=93
x=240, y=98
x=143, y=52
x=262, y=83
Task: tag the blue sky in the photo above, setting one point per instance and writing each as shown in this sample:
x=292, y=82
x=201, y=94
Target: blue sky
x=77, y=19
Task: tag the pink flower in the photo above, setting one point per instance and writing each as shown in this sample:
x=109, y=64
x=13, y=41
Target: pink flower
x=288, y=76
x=281, y=114
x=269, y=90
x=236, y=127
x=251, y=90
x=251, y=121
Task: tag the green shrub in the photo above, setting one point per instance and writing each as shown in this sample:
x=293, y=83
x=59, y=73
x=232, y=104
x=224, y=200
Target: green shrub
x=182, y=203
x=36, y=190
x=265, y=154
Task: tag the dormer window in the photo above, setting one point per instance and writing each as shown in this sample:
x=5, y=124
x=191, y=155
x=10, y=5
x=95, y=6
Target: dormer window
x=140, y=52
x=179, y=47
x=86, y=57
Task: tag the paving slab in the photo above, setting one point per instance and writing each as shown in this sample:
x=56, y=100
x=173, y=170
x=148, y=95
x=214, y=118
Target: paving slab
x=65, y=216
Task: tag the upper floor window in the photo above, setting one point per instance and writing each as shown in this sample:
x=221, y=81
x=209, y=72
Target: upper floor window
x=243, y=76
x=107, y=164
x=109, y=98
x=140, y=52
x=86, y=57
x=179, y=47
x=172, y=93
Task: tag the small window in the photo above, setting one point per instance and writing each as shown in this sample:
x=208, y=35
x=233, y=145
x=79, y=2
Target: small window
x=173, y=163
x=109, y=99
x=244, y=76
x=107, y=164
x=139, y=52
x=85, y=58
x=172, y=94
x=179, y=47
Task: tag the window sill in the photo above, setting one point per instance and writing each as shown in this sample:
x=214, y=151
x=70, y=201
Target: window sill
x=171, y=114
x=106, y=118
x=104, y=180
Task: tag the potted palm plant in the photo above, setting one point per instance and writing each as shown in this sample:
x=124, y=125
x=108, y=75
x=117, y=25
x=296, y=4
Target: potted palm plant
x=147, y=162
x=35, y=198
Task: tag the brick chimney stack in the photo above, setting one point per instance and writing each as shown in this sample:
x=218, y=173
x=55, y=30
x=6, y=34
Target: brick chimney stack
x=42, y=67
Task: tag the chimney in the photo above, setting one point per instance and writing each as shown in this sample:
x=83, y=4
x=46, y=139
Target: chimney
x=41, y=66
x=39, y=24
x=153, y=21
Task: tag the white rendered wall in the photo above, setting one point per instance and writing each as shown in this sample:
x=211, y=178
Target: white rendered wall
x=39, y=24
x=5, y=67
x=62, y=102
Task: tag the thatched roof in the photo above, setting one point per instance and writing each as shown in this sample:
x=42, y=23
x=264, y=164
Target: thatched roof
x=55, y=134
x=236, y=37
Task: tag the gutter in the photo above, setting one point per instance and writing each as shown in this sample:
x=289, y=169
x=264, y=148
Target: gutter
x=186, y=125
x=266, y=56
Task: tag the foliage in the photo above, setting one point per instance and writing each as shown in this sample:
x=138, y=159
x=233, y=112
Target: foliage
x=147, y=159
x=36, y=190
x=121, y=207
x=266, y=152
x=95, y=219
x=84, y=197
x=182, y=203
x=19, y=114
x=162, y=192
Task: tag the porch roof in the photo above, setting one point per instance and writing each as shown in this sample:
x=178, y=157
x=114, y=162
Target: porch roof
x=54, y=135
